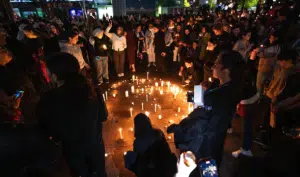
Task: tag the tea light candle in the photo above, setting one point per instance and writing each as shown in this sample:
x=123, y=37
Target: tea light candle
x=131, y=129
x=131, y=112
x=142, y=90
x=132, y=89
x=171, y=121
x=161, y=92
x=162, y=83
x=133, y=77
x=126, y=94
x=114, y=95
x=159, y=117
x=156, y=84
x=120, y=132
x=147, y=113
x=106, y=155
x=142, y=106
x=132, y=103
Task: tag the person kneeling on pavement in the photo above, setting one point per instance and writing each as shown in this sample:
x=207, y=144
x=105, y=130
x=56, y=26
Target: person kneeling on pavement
x=190, y=75
x=204, y=130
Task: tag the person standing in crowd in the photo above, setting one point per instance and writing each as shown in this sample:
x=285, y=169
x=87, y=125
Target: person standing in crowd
x=32, y=60
x=52, y=45
x=204, y=37
x=131, y=51
x=160, y=48
x=243, y=46
x=72, y=114
x=191, y=74
x=140, y=36
x=267, y=61
x=98, y=50
x=178, y=35
x=152, y=150
x=70, y=46
x=119, y=45
x=149, y=42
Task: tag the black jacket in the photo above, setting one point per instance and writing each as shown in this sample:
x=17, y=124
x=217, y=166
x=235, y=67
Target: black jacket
x=95, y=46
x=159, y=42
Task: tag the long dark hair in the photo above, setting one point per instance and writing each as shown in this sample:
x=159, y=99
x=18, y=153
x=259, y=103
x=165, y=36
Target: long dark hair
x=142, y=125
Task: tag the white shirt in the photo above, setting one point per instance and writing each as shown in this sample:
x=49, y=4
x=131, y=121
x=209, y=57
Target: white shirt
x=118, y=43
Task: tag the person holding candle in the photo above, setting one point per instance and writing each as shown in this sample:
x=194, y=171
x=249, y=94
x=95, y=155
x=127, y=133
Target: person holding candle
x=119, y=44
x=98, y=46
x=191, y=74
x=153, y=154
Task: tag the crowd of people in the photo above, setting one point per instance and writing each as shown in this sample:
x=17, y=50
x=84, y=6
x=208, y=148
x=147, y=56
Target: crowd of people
x=58, y=67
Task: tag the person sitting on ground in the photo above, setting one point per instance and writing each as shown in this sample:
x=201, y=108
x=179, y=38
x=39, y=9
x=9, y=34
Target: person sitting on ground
x=153, y=154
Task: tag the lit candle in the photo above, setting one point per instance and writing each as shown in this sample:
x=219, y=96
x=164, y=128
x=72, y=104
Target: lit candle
x=125, y=153
x=156, y=84
x=137, y=81
x=147, y=98
x=120, y=132
x=168, y=83
x=171, y=121
x=147, y=75
x=132, y=89
x=162, y=83
x=178, y=109
x=159, y=116
x=126, y=93
x=130, y=112
x=106, y=95
x=155, y=107
x=161, y=92
x=147, y=113
x=132, y=103
x=114, y=95
x=131, y=129
x=106, y=154
x=133, y=77
x=142, y=106
x=142, y=90
x=169, y=137
x=210, y=79
x=103, y=96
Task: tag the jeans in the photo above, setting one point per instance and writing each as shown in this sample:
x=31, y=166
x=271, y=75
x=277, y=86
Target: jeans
x=101, y=64
x=262, y=77
x=119, y=60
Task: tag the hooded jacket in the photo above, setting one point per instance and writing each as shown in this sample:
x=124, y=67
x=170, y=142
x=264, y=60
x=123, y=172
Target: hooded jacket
x=74, y=50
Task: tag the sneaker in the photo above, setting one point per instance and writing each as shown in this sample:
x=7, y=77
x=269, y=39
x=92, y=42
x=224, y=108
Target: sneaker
x=229, y=130
x=154, y=64
x=241, y=151
x=106, y=81
x=149, y=65
x=100, y=83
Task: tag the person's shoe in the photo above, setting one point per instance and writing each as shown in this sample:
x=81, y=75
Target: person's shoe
x=154, y=64
x=241, y=151
x=100, y=83
x=122, y=74
x=229, y=130
x=106, y=81
x=149, y=65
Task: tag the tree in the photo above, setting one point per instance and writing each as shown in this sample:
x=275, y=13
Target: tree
x=248, y=3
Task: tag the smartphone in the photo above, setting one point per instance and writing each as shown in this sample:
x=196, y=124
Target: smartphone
x=19, y=93
x=208, y=168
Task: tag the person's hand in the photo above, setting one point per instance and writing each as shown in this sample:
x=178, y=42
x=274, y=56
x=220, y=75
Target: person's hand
x=16, y=101
x=180, y=73
x=180, y=43
x=205, y=85
x=87, y=67
x=141, y=38
x=110, y=24
x=163, y=54
x=187, y=81
x=184, y=44
x=185, y=166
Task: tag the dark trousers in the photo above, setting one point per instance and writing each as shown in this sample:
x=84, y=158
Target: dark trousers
x=119, y=60
x=250, y=111
x=160, y=62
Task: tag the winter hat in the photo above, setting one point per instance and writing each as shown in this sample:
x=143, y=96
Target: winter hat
x=97, y=31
